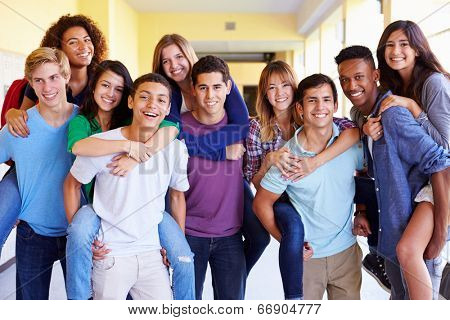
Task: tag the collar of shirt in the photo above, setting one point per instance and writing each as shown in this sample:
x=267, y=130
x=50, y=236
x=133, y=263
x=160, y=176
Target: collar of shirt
x=300, y=150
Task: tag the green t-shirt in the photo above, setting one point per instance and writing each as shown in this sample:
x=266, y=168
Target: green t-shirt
x=80, y=128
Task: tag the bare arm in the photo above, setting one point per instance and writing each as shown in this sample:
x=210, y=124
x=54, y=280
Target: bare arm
x=72, y=189
x=440, y=182
x=178, y=206
x=161, y=139
x=263, y=208
x=27, y=103
x=94, y=147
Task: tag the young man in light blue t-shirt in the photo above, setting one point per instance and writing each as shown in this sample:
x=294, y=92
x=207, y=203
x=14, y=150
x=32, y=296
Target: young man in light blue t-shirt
x=324, y=199
x=42, y=163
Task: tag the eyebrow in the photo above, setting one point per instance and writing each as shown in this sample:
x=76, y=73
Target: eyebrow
x=150, y=93
x=39, y=78
x=75, y=38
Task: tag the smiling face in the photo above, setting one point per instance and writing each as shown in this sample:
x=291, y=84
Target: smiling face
x=49, y=84
x=398, y=53
x=150, y=104
x=318, y=106
x=280, y=93
x=175, y=64
x=211, y=92
x=77, y=45
x=358, y=80
x=108, y=91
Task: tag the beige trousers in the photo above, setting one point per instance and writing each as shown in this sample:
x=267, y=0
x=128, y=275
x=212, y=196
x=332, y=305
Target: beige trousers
x=339, y=274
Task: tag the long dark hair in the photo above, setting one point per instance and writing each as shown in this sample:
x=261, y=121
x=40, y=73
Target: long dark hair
x=426, y=62
x=121, y=113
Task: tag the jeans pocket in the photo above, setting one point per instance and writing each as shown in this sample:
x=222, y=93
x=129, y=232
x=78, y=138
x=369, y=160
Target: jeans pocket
x=105, y=264
x=24, y=231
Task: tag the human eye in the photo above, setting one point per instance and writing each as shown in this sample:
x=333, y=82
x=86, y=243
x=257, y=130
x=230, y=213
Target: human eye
x=359, y=77
x=286, y=85
x=120, y=90
x=72, y=43
x=217, y=87
x=343, y=80
x=143, y=97
x=88, y=40
x=389, y=44
x=180, y=56
x=162, y=100
x=164, y=61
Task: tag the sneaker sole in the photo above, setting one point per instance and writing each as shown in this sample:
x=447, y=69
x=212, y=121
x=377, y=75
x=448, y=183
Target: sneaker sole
x=377, y=280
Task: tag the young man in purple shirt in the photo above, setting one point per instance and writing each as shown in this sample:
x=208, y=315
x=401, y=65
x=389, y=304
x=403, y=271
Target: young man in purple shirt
x=214, y=202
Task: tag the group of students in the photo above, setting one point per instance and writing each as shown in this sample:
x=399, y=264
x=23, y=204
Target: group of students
x=166, y=162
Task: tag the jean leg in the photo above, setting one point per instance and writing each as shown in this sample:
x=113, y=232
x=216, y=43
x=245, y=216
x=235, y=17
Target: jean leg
x=435, y=268
x=9, y=205
x=35, y=255
x=80, y=235
x=398, y=286
x=256, y=238
x=180, y=257
x=228, y=269
x=291, y=249
x=201, y=249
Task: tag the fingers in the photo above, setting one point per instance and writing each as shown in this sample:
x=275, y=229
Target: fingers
x=99, y=250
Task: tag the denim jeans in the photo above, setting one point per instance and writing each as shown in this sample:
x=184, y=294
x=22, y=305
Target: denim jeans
x=256, y=238
x=291, y=248
x=227, y=261
x=81, y=233
x=9, y=205
x=35, y=255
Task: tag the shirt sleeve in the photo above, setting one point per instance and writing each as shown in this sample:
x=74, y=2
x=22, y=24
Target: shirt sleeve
x=273, y=181
x=254, y=153
x=344, y=124
x=79, y=129
x=30, y=94
x=357, y=116
x=436, y=101
x=212, y=145
x=413, y=145
x=84, y=169
x=5, y=152
x=179, y=180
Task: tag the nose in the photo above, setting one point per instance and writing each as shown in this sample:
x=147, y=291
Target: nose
x=396, y=48
x=46, y=87
x=352, y=84
x=209, y=93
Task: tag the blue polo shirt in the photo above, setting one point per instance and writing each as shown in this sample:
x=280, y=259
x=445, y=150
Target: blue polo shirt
x=42, y=164
x=324, y=199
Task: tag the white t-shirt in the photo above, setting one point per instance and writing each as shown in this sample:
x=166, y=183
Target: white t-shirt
x=131, y=207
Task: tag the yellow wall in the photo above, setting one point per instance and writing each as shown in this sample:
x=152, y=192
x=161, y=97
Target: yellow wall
x=246, y=74
x=23, y=23
x=211, y=26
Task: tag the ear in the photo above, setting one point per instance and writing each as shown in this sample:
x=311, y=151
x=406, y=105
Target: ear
x=299, y=108
x=168, y=108
x=335, y=107
x=193, y=90
x=130, y=102
x=229, y=85
x=376, y=75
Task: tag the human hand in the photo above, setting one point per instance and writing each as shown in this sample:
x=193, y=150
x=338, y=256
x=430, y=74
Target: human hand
x=284, y=160
x=17, y=122
x=307, y=251
x=139, y=151
x=361, y=226
x=434, y=247
x=235, y=151
x=373, y=128
x=303, y=167
x=164, y=257
x=399, y=101
x=99, y=250
x=121, y=164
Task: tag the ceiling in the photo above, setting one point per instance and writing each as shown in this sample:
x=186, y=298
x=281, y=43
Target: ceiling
x=235, y=6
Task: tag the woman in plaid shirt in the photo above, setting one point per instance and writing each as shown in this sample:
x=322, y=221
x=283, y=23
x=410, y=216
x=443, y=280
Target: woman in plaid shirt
x=274, y=126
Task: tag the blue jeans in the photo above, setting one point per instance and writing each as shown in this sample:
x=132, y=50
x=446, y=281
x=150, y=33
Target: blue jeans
x=227, y=261
x=9, y=205
x=35, y=255
x=291, y=249
x=256, y=238
x=81, y=233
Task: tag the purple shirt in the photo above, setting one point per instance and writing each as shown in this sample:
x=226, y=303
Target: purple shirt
x=215, y=199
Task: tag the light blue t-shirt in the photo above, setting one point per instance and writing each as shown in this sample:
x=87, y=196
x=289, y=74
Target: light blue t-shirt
x=42, y=164
x=324, y=199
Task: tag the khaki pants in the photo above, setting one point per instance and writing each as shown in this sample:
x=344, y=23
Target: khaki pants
x=144, y=276
x=339, y=274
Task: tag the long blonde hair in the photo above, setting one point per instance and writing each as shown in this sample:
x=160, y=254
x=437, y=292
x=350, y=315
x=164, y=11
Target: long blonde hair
x=264, y=109
x=179, y=41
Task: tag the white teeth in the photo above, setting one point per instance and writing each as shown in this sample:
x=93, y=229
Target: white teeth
x=49, y=96
x=320, y=115
x=396, y=59
x=151, y=114
x=211, y=103
x=356, y=94
x=177, y=71
x=84, y=55
x=107, y=100
x=281, y=100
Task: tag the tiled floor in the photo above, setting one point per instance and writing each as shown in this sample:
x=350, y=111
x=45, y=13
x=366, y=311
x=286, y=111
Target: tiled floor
x=264, y=281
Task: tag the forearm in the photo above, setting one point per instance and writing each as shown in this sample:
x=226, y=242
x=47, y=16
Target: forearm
x=440, y=182
x=71, y=189
x=345, y=140
x=265, y=166
x=178, y=207
x=264, y=211
x=94, y=147
x=161, y=139
x=27, y=103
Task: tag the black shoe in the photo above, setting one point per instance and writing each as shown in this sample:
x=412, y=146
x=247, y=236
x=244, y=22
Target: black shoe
x=374, y=265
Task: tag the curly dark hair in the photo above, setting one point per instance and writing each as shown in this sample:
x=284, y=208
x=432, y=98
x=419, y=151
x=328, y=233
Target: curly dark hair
x=53, y=36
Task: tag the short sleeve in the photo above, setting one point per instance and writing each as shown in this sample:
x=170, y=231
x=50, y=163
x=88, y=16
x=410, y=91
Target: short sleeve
x=5, y=152
x=79, y=129
x=179, y=180
x=84, y=169
x=273, y=181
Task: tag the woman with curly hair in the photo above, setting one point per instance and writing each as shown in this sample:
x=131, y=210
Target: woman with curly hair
x=85, y=46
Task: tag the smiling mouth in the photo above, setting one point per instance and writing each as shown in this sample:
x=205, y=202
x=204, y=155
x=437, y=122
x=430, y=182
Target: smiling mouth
x=176, y=71
x=49, y=96
x=84, y=55
x=108, y=101
x=356, y=94
x=281, y=99
x=150, y=114
x=320, y=115
x=211, y=103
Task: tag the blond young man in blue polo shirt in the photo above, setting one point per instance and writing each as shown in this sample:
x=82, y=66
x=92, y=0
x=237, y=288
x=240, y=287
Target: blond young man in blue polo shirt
x=324, y=199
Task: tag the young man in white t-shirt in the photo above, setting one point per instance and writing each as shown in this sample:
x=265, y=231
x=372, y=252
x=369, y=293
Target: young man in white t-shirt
x=131, y=207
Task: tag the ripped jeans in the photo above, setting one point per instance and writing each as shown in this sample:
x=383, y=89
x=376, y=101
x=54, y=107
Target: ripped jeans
x=81, y=233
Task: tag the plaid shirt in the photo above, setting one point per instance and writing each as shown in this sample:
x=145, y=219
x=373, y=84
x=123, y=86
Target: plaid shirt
x=257, y=150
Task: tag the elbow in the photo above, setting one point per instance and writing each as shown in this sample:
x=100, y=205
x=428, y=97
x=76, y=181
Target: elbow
x=76, y=148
